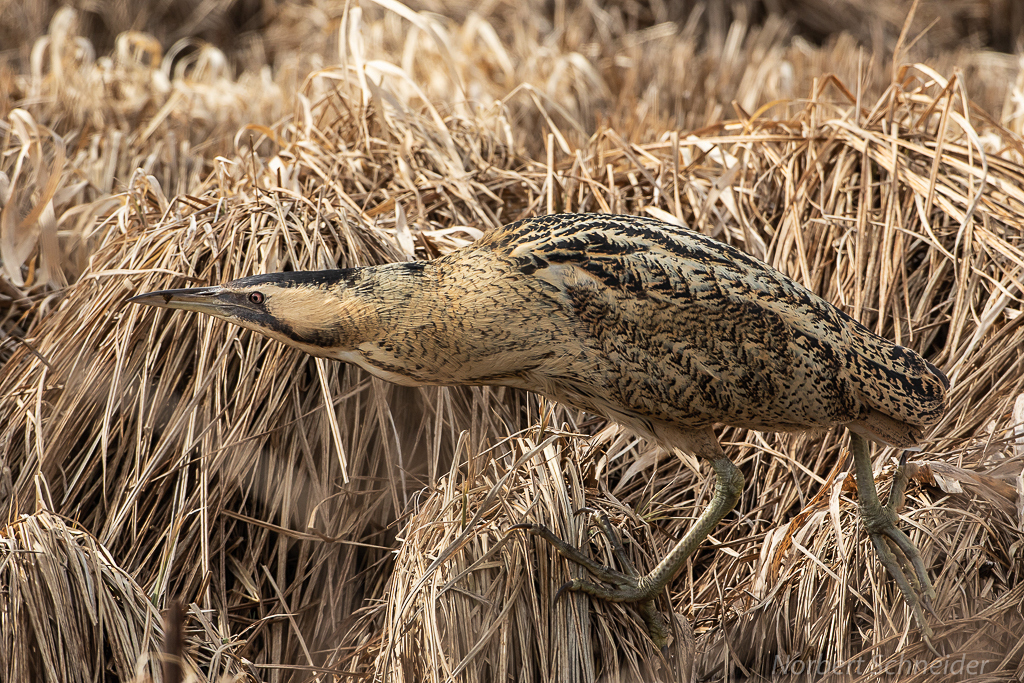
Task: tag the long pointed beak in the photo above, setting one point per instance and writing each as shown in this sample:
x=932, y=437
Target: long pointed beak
x=199, y=299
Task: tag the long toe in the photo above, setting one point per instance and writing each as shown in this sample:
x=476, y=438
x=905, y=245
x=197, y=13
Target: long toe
x=628, y=587
x=892, y=505
x=880, y=524
x=890, y=561
x=914, y=561
x=573, y=554
x=917, y=592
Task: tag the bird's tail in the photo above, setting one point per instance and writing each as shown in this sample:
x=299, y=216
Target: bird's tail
x=900, y=423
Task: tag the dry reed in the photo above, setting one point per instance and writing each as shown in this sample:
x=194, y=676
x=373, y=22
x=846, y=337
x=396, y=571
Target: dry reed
x=315, y=522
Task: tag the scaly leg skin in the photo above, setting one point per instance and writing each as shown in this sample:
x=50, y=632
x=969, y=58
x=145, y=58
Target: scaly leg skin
x=629, y=585
x=880, y=523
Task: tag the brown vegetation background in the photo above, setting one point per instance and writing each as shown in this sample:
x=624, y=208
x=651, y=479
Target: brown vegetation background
x=314, y=523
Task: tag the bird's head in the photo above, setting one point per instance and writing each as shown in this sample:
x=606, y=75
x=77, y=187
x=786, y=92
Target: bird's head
x=320, y=312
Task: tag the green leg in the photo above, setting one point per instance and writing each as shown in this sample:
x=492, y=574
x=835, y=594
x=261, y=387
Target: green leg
x=889, y=541
x=629, y=585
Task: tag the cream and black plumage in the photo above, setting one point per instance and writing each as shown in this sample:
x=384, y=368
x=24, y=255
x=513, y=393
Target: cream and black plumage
x=656, y=327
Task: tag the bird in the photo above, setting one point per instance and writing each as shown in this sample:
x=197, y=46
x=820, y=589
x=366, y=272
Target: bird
x=659, y=328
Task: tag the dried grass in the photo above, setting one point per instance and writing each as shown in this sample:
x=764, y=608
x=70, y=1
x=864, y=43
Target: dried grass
x=892, y=208
x=69, y=612
x=317, y=522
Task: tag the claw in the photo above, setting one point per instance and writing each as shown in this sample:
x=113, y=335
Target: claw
x=567, y=586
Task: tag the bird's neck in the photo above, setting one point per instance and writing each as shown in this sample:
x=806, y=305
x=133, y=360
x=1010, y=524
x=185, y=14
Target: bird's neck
x=442, y=322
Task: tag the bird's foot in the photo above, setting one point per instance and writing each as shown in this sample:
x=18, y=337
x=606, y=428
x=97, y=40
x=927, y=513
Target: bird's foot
x=895, y=548
x=629, y=585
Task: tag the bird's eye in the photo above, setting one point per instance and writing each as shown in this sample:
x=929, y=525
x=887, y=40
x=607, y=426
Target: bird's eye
x=256, y=297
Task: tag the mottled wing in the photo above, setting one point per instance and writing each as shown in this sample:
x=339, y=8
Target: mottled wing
x=705, y=333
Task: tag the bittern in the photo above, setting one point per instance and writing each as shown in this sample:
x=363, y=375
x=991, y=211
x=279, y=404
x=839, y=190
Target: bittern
x=661, y=329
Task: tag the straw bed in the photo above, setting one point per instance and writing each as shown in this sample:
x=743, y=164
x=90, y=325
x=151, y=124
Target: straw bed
x=316, y=523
